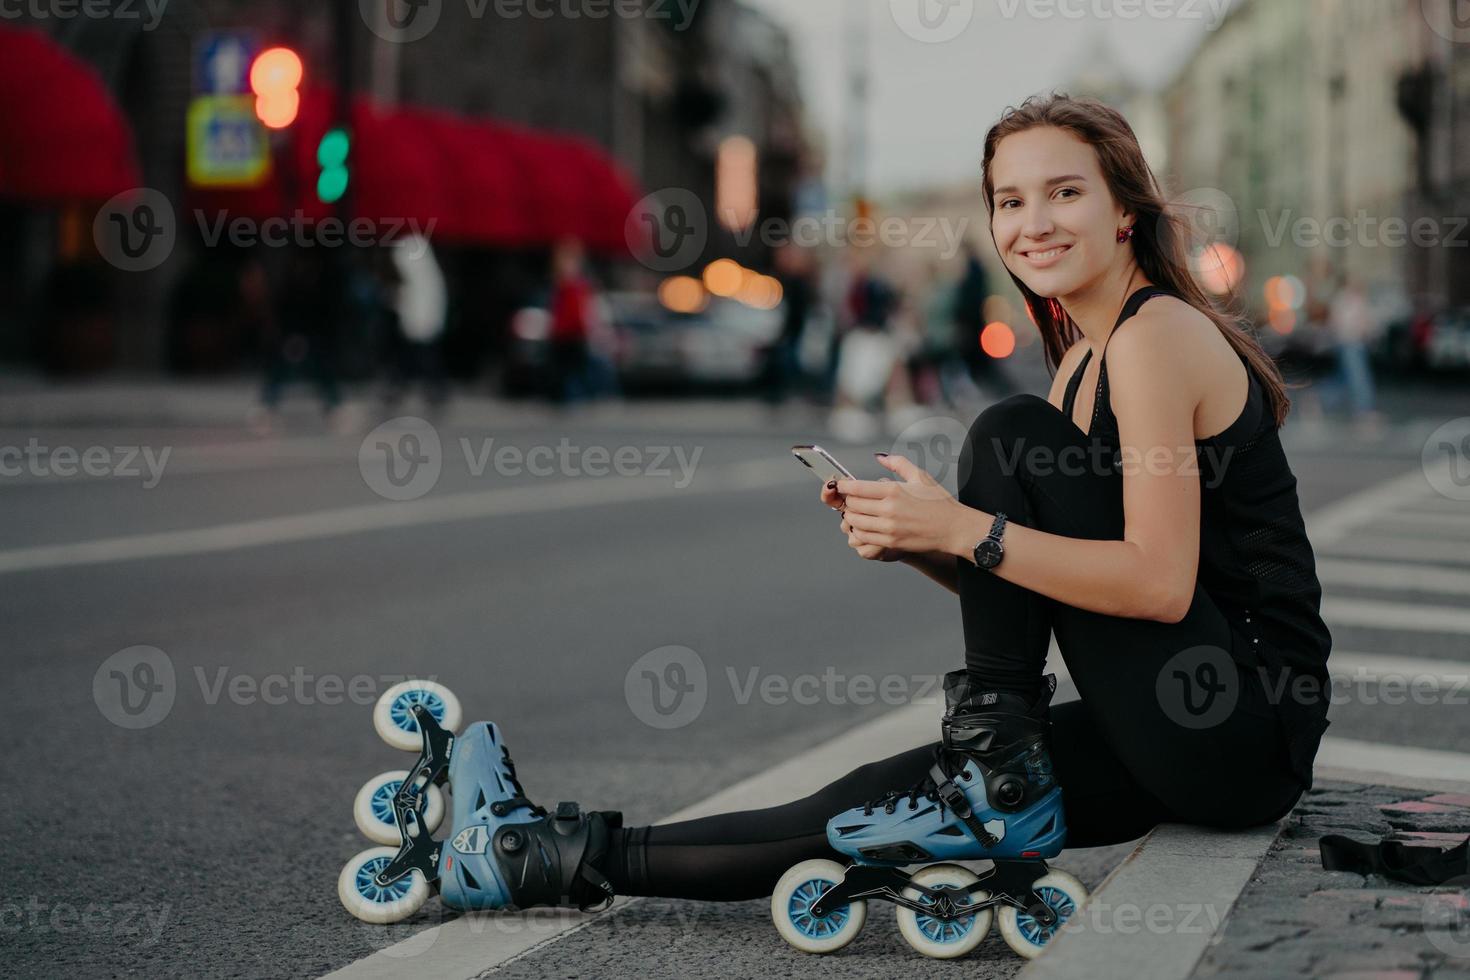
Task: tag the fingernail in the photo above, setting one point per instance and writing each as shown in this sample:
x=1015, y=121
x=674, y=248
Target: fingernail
x=880, y=455
x=831, y=484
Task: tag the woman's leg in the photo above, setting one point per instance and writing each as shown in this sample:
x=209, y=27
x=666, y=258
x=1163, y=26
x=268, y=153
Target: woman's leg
x=1226, y=767
x=738, y=856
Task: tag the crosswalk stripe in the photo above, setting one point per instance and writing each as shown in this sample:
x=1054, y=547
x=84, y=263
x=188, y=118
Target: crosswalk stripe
x=1401, y=548
x=1398, y=576
x=1395, y=615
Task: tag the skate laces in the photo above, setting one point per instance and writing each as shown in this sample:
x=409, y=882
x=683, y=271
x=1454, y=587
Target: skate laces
x=925, y=787
x=520, y=797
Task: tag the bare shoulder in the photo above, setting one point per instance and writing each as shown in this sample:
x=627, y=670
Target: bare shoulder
x=1170, y=335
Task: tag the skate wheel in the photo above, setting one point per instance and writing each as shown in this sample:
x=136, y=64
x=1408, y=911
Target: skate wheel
x=794, y=895
x=393, y=714
x=1023, y=933
x=373, y=807
x=936, y=937
x=375, y=903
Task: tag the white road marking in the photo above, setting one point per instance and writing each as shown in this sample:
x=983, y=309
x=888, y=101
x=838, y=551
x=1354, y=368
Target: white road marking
x=1372, y=545
x=1395, y=615
x=1378, y=667
x=1392, y=575
x=432, y=509
x=1383, y=762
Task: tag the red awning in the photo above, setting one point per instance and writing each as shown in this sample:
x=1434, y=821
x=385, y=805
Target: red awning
x=62, y=137
x=477, y=181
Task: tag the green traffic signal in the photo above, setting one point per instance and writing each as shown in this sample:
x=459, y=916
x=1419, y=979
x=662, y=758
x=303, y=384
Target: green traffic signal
x=331, y=155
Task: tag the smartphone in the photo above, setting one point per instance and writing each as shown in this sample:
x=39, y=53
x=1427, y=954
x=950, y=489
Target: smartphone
x=822, y=463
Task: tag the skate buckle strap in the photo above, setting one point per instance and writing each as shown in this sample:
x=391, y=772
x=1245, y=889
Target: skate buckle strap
x=954, y=798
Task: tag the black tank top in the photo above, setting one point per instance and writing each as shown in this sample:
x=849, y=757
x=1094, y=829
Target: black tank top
x=1255, y=560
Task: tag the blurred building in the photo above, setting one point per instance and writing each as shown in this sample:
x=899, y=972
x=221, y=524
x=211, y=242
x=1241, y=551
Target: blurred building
x=656, y=94
x=1296, y=113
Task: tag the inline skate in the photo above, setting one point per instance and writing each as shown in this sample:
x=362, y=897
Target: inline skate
x=989, y=794
x=502, y=850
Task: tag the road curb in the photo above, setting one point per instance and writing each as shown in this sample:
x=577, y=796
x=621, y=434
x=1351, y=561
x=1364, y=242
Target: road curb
x=1157, y=912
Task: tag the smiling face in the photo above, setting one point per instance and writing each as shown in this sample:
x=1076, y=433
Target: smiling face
x=1056, y=223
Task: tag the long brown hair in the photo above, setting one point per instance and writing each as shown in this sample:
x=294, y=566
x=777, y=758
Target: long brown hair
x=1160, y=236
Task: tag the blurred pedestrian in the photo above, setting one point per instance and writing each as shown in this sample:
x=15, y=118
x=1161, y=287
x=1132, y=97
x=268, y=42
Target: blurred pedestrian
x=782, y=370
x=969, y=318
x=420, y=304
x=301, y=339
x=1352, y=324
x=572, y=309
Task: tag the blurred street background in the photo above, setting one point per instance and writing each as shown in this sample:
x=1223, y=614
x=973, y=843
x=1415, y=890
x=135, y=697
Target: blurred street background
x=346, y=341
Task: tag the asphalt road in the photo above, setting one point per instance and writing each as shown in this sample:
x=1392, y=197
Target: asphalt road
x=207, y=841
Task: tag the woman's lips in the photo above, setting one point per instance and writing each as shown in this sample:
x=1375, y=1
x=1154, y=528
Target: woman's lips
x=1041, y=258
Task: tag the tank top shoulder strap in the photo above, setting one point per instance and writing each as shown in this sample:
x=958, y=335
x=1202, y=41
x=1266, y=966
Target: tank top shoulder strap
x=1130, y=307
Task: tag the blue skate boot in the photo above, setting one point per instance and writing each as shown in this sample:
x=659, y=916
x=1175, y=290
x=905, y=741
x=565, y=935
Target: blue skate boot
x=502, y=852
x=989, y=794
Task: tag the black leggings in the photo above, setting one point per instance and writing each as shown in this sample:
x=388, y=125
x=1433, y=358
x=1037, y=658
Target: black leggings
x=1128, y=755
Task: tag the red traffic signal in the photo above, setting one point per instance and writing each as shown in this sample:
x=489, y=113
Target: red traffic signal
x=275, y=78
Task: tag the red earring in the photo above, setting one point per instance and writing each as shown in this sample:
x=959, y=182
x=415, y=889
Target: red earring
x=1125, y=234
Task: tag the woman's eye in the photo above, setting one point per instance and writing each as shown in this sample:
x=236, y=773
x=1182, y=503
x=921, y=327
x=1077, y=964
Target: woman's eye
x=1067, y=190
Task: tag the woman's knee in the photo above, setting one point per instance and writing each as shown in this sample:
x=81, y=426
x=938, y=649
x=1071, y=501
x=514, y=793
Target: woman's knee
x=998, y=441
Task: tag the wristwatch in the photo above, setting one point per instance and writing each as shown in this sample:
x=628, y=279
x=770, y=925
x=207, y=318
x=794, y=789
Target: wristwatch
x=989, y=552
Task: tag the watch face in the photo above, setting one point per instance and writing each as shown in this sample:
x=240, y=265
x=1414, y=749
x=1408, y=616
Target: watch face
x=987, y=553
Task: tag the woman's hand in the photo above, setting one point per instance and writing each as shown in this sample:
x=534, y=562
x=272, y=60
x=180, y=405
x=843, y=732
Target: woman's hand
x=916, y=516
x=871, y=552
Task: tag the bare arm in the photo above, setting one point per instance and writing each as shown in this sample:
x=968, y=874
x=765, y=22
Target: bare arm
x=938, y=566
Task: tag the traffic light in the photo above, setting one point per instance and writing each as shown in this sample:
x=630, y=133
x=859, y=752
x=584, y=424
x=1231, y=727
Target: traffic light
x=331, y=156
x=275, y=78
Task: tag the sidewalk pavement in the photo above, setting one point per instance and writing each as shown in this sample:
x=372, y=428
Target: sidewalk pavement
x=1194, y=903
x=1296, y=919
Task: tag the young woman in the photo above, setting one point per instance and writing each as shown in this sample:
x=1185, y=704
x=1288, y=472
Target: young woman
x=1151, y=523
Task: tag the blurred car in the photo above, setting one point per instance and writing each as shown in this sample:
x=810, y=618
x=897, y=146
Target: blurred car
x=724, y=345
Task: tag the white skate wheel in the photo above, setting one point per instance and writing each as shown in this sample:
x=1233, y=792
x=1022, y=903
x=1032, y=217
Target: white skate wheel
x=794, y=895
x=1023, y=933
x=393, y=714
x=375, y=903
x=941, y=939
x=373, y=807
